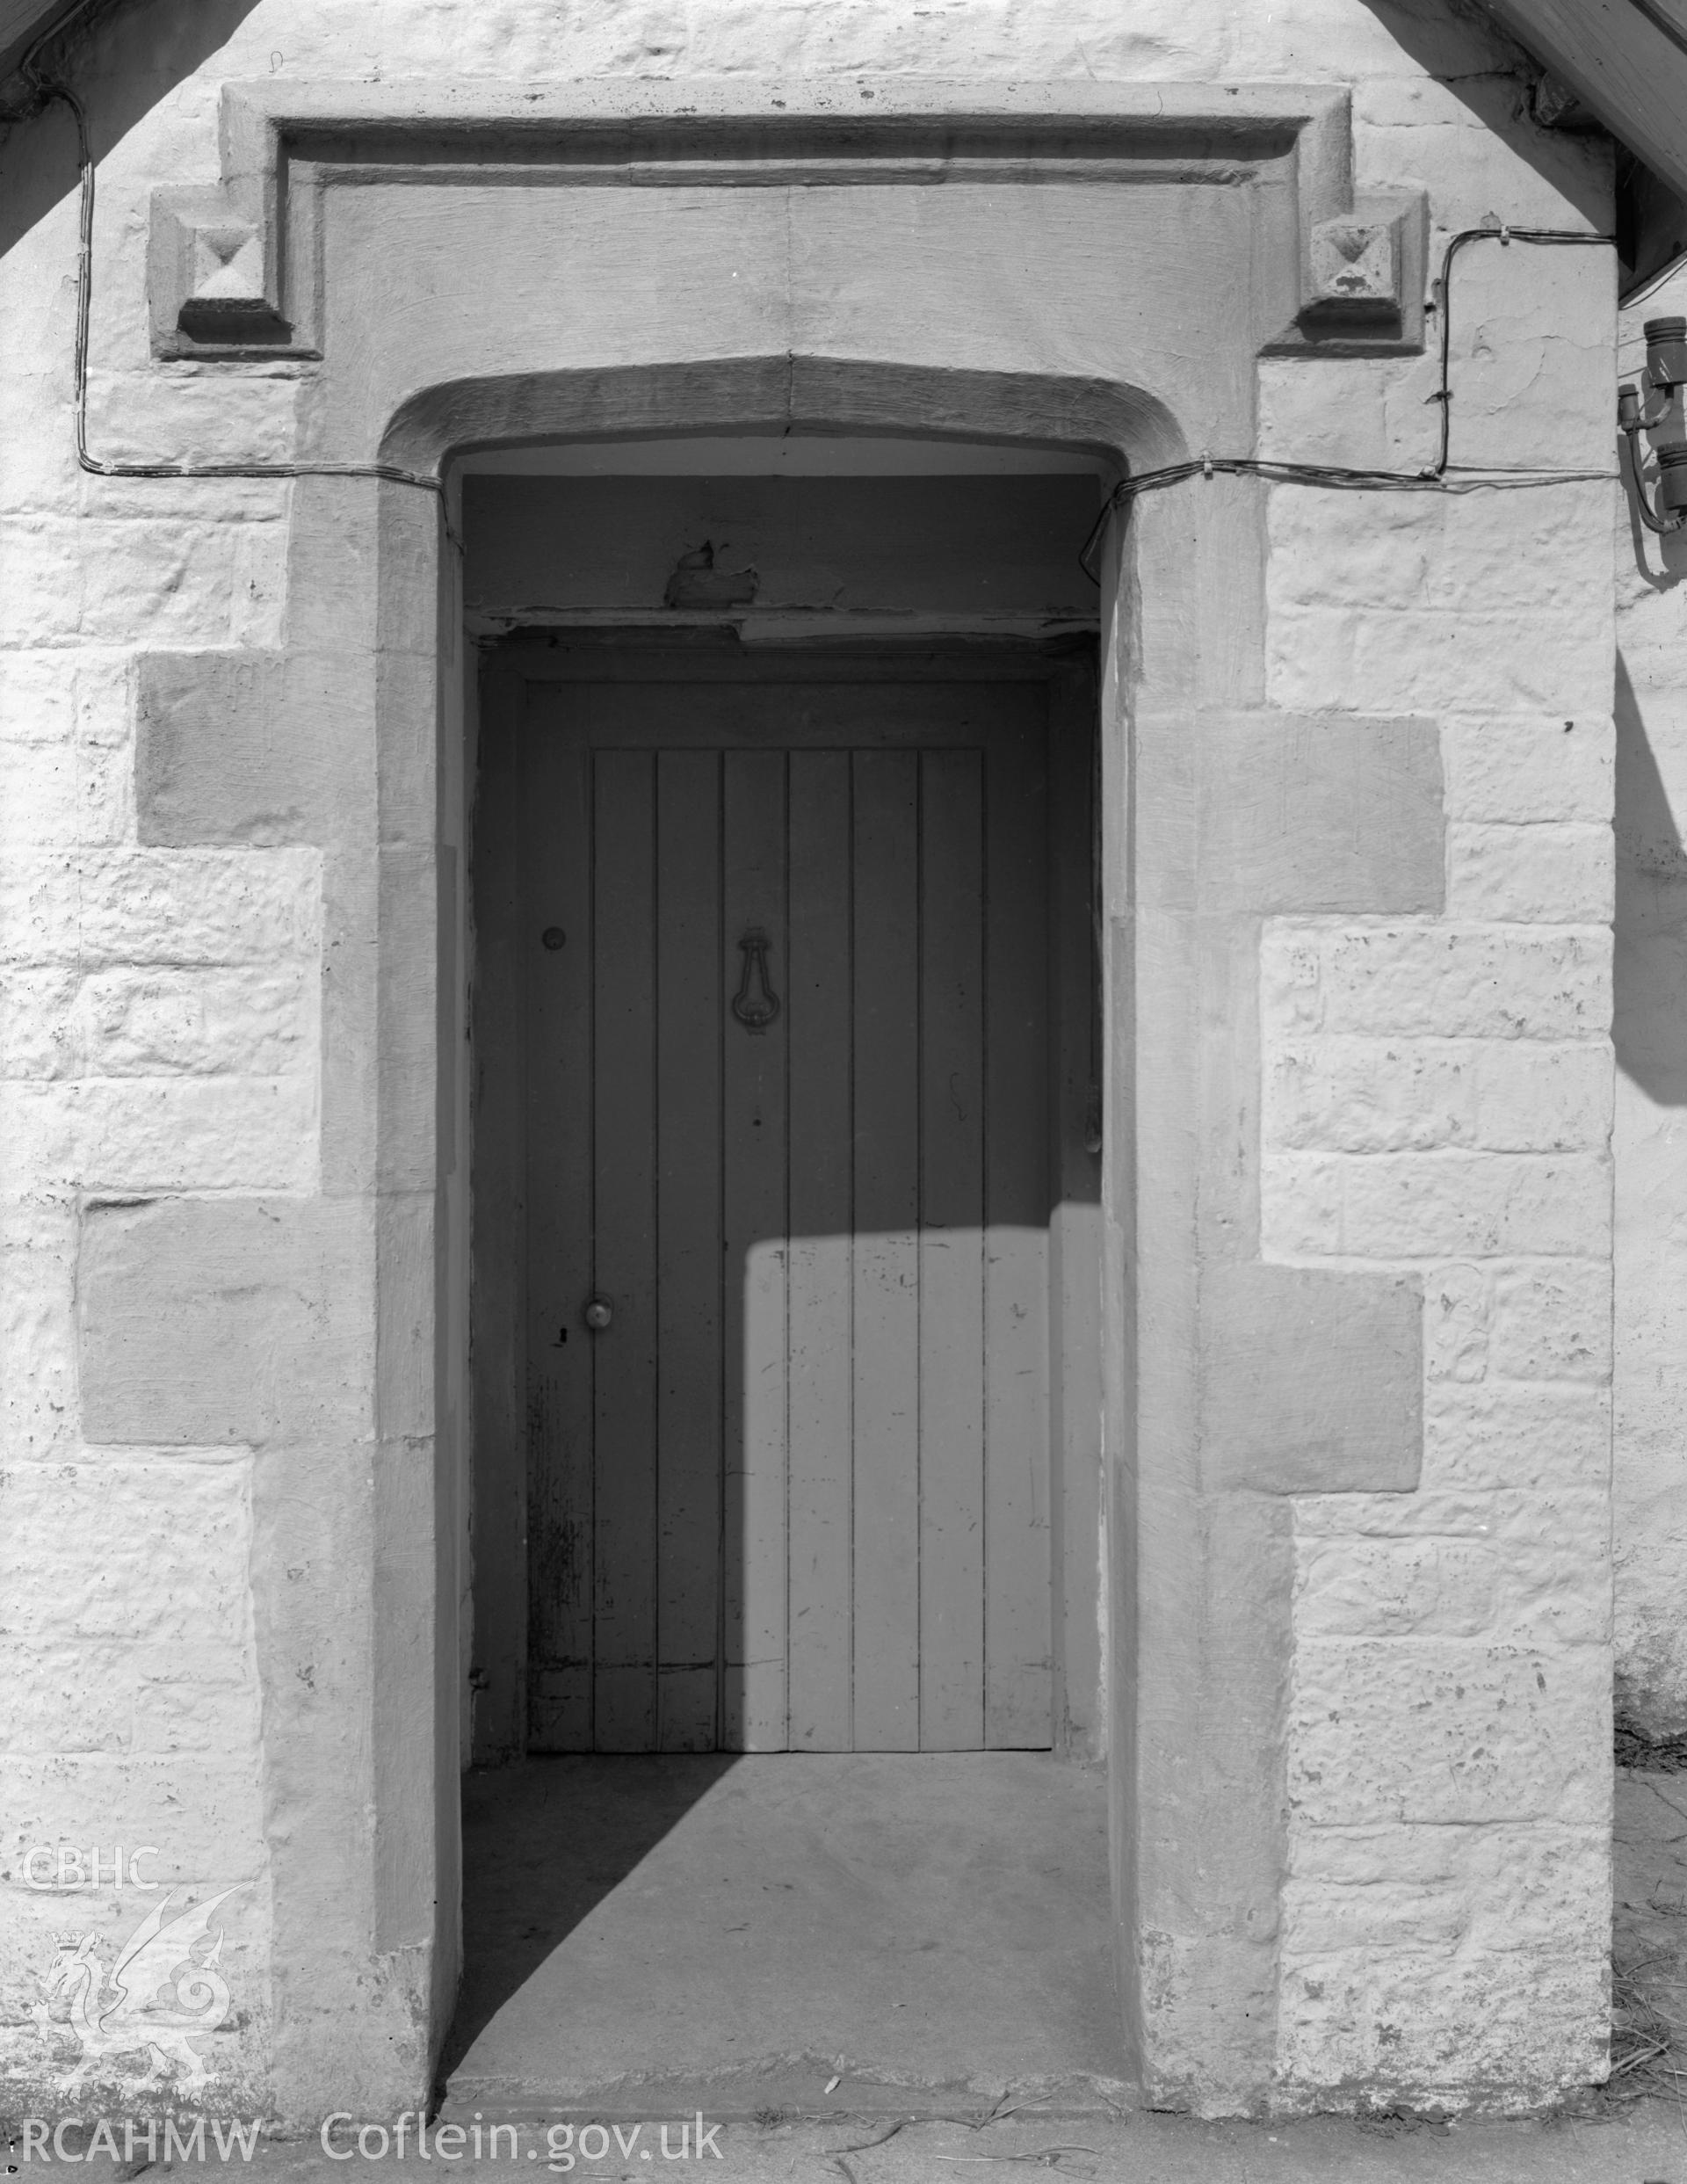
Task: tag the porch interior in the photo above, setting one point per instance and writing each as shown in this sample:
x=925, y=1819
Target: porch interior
x=805, y=1932
x=789, y=1933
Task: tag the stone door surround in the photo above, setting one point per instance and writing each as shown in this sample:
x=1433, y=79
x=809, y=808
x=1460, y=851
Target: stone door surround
x=448, y=266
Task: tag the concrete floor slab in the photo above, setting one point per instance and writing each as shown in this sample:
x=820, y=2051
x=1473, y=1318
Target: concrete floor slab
x=924, y=1928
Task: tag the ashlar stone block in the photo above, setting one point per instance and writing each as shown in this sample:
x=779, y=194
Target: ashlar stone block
x=216, y=1320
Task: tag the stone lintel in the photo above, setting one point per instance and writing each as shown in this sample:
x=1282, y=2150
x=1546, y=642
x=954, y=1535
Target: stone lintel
x=236, y=273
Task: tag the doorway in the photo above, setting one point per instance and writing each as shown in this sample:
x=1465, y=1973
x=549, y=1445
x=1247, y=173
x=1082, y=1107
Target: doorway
x=786, y=1099
x=786, y=1096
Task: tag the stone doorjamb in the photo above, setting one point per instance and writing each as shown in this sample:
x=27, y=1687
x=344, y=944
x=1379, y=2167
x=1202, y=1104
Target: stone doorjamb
x=1097, y=268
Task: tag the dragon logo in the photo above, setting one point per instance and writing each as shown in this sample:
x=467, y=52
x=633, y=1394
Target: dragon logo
x=157, y=1994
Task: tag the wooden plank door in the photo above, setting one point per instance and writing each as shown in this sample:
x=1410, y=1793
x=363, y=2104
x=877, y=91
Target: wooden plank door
x=788, y=1124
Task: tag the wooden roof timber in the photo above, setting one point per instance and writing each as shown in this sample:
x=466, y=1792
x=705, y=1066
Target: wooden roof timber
x=1626, y=59
x=20, y=21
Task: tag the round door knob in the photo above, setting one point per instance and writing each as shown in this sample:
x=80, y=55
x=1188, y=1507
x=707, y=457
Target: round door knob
x=599, y=1312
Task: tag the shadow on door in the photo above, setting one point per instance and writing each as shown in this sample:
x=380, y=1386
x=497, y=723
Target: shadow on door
x=786, y=1224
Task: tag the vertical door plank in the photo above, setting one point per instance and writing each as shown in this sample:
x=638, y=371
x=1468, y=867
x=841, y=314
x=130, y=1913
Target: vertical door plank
x=951, y=1252
x=886, y=1298
x=754, y=1196
x=1018, y=1679
x=625, y=1354
x=817, y=1011
x=688, y=1255
x=555, y=828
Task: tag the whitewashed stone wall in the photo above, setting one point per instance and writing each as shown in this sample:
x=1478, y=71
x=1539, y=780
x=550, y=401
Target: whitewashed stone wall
x=1437, y=1091
x=1437, y=1096
x=1446, y=1911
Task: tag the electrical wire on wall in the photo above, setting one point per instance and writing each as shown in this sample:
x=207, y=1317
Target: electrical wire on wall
x=49, y=92
x=63, y=26
x=1444, y=475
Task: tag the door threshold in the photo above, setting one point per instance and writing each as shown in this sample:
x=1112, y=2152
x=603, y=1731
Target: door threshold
x=782, y=2090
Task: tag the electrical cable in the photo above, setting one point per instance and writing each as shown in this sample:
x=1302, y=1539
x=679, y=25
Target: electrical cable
x=1443, y=477
x=28, y=65
x=50, y=93
x=1665, y=527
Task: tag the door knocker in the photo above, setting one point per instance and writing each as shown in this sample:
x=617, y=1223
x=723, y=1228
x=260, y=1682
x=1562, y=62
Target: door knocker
x=754, y=1014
